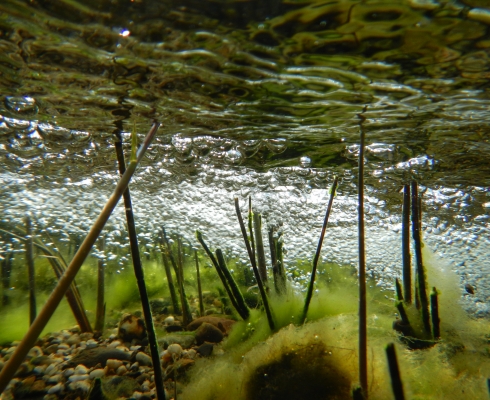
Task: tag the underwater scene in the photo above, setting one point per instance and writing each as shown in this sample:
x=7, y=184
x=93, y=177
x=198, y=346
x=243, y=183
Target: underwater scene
x=244, y=199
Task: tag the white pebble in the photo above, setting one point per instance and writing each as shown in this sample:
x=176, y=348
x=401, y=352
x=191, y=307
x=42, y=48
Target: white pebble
x=169, y=320
x=134, y=348
x=121, y=370
x=143, y=359
x=56, y=388
x=35, y=352
x=63, y=346
x=114, y=344
x=191, y=353
x=113, y=363
x=145, y=386
x=175, y=349
x=91, y=344
x=54, y=378
x=136, y=395
x=69, y=372
x=81, y=370
x=113, y=336
x=97, y=373
x=78, y=378
x=51, y=369
x=37, y=370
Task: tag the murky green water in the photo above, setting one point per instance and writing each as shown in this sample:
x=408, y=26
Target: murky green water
x=257, y=100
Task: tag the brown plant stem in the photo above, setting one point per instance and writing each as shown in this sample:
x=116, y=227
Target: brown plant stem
x=434, y=312
x=170, y=280
x=64, y=283
x=100, y=310
x=259, y=249
x=407, y=264
x=199, y=288
x=396, y=381
x=30, y=270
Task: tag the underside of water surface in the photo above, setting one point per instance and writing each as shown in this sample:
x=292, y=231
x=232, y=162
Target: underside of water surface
x=258, y=100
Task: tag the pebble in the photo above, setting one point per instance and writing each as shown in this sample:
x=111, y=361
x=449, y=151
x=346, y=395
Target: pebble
x=143, y=359
x=170, y=320
x=114, y=344
x=81, y=370
x=91, y=343
x=97, y=373
x=113, y=364
x=56, y=388
x=122, y=370
x=208, y=333
x=69, y=372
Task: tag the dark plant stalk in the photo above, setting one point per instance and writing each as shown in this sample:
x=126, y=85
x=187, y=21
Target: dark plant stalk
x=263, y=294
x=280, y=265
x=30, y=270
x=363, y=376
x=357, y=394
x=407, y=265
x=396, y=381
x=138, y=272
x=6, y=272
x=186, y=310
x=199, y=288
x=260, y=253
x=398, y=289
x=220, y=273
x=309, y=293
x=250, y=226
x=100, y=310
x=403, y=313
x=64, y=283
x=421, y=279
x=434, y=311
x=242, y=309
x=275, y=271
x=59, y=267
x=168, y=273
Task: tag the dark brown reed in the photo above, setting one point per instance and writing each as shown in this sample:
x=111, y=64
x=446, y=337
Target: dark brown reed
x=309, y=293
x=363, y=376
x=259, y=249
x=199, y=287
x=396, y=381
x=242, y=309
x=100, y=310
x=434, y=312
x=30, y=270
x=64, y=283
x=407, y=264
x=168, y=273
x=139, y=274
x=260, y=284
x=250, y=226
x=398, y=289
x=421, y=278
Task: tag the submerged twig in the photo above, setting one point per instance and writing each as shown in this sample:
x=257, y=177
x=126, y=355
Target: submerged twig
x=421, y=279
x=59, y=291
x=309, y=293
x=363, y=378
x=199, y=288
x=263, y=294
x=396, y=381
x=407, y=264
x=138, y=270
x=30, y=270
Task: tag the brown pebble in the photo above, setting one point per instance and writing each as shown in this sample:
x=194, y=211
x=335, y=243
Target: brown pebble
x=51, y=349
x=208, y=333
x=221, y=323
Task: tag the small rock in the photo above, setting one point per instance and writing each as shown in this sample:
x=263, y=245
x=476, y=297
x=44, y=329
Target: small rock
x=224, y=324
x=169, y=320
x=78, y=378
x=143, y=359
x=56, y=388
x=51, y=349
x=119, y=386
x=205, y=349
x=122, y=370
x=113, y=364
x=73, y=339
x=208, y=333
x=91, y=357
x=81, y=370
x=185, y=340
x=97, y=373
x=131, y=327
x=175, y=349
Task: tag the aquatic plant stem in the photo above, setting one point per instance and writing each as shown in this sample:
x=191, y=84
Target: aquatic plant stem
x=65, y=281
x=363, y=378
x=30, y=270
x=243, y=310
x=138, y=272
x=262, y=291
x=421, y=279
x=259, y=248
x=434, y=313
x=187, y=315
x=170, y=280
x=100, y=310
x=398, y=289
x=407, y=264
x=396, y=381
x=309, y=293
x=221, y=275
x=250, y=226
x=199, y=287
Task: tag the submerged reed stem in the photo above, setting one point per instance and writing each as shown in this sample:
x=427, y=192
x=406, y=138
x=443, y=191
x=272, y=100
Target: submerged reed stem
x=363, y=378
x=421, y=279
x=100, y=310
x=30, y=270
x=138, y=272
x=168, y=272
x=434, y=312
x=263, y=294
x=398, y=290
x=199, y=287
x=396, y=381
x=407, y=264
x=309, y=293
x=64, y=283
x=260, y=253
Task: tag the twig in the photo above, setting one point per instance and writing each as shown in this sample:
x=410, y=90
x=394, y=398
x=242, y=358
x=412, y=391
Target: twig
x=59, y=291
x=263, y=294
x=421, y=279
x=309, y=293
x=363, y=378
x=30, y=270
x=396, y=381
x=407, y=265
x=138, y=271
x=199, y=288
